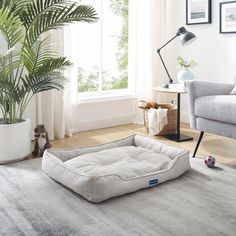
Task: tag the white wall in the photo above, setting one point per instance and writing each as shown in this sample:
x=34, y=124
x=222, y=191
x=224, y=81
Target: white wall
x=100, y=114
x=214, y=53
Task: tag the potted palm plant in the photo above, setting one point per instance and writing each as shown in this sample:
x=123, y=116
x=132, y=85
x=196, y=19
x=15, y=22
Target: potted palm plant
x=30, y=65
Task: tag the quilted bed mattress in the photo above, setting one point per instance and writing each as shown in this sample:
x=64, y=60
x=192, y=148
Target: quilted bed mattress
x=112, y=169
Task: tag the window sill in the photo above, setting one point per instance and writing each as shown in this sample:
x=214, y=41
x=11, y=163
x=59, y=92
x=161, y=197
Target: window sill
x=105, y=98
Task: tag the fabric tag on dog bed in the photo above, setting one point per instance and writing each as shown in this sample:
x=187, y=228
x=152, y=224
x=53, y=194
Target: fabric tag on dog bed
x=153, y=182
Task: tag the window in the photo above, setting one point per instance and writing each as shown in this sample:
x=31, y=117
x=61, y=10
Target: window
x=101, y=50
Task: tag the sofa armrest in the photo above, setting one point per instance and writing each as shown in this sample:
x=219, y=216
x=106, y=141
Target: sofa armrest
x=205, y=88
x=198, y=88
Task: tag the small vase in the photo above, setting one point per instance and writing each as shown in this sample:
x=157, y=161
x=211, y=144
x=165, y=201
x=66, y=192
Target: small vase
x=185, y=74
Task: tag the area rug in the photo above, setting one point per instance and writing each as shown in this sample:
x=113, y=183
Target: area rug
x=201, y=202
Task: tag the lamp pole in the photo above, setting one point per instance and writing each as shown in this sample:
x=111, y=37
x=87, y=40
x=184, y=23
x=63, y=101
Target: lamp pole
x=163, y=63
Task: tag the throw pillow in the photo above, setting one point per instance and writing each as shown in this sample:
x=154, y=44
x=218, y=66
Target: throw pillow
x=233, y=92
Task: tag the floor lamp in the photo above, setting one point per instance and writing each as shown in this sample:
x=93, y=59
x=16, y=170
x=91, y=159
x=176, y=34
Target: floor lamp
x=186, y=37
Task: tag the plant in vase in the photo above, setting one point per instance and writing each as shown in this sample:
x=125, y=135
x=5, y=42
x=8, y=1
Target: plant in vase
x=185, y=73
x=30, y=65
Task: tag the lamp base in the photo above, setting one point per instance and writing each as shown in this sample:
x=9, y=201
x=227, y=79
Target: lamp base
x=165, y=85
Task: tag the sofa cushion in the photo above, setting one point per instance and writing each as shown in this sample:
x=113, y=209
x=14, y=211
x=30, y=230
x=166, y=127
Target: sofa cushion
x=220, y=108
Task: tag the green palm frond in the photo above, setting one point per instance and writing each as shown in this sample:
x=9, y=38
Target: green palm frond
x=8, y=64
x=19, y=93
x=51, y=80
x=6, y=88
x=36, y=55
x=11, y=27
x=52, y=64
x=35, y=8
x=15, y=4
x=59, y=17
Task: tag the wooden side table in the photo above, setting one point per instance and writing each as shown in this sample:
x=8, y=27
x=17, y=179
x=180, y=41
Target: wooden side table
x=177, y=137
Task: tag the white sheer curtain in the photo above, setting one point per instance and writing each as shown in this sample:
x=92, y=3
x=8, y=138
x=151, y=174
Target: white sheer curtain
x=53, y=108
x=147, y=31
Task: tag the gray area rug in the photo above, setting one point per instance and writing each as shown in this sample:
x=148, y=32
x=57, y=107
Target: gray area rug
x=201, y=202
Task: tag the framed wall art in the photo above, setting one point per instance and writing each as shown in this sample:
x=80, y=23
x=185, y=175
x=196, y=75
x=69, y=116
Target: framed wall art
x=228, y=17
x=198, y=12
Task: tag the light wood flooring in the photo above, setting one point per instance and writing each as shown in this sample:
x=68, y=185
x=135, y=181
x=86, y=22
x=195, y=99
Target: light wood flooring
x=223, y=149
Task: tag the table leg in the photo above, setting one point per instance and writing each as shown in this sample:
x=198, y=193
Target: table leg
x=178, y=115
x=178, y=137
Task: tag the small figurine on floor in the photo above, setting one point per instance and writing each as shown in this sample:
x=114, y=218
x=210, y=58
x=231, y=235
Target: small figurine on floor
x=210, y=161
x=42, y=141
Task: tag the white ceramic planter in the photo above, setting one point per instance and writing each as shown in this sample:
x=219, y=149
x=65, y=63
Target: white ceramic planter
x=15, y=142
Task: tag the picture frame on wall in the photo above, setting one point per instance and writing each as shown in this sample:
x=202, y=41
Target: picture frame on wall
x=228, y=17
x=198, y=12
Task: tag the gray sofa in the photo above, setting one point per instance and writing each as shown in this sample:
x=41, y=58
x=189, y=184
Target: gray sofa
x=212, y=109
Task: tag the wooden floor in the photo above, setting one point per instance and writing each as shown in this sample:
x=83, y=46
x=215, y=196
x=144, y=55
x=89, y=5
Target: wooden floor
x=223, y=149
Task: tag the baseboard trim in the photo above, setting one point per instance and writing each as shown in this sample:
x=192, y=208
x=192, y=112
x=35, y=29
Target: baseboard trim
x=105, y=123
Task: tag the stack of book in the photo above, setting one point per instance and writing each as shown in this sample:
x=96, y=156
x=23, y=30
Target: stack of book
x=178, y=86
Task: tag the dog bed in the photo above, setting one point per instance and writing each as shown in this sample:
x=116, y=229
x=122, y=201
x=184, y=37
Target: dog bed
x=116, y=168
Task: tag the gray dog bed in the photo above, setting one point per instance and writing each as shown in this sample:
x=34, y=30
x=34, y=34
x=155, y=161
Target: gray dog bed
x=112, y=169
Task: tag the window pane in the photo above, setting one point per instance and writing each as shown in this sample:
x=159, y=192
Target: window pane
x=114, y=44
x=88, y=52
x=102, y=48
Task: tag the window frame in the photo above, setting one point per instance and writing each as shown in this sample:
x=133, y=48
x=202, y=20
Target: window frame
x=100, y=94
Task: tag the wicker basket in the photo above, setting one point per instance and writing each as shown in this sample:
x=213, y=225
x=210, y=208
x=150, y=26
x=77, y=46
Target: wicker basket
x=171, y=127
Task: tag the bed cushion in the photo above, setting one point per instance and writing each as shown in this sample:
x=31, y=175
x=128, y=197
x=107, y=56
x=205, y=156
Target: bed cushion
x=127, y=162
x=104, y=171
